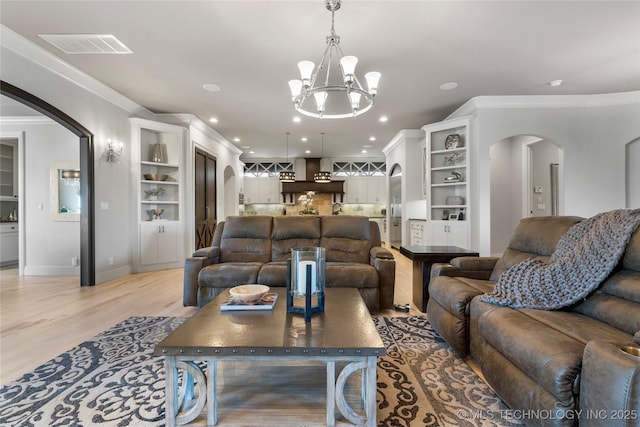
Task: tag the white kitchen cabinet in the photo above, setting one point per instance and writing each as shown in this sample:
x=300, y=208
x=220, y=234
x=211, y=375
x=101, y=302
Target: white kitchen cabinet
x=8, y=171
x=448, y=233
x=262, y=190
x=365, y=189
x=8, y=243
x=158, y=148
x=417, y=232
x=159, y=242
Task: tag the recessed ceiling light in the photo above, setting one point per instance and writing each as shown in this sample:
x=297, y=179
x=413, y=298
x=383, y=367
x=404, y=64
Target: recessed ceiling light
x=236, y=139
x=448, y=86
x=372, y=138
x=210, y=87
x=555, y=82
x=307, y=151
x=383, y=119
x=252, y=152
x=303, y=139
x=213, y=120
x=363, y=151
x=296, y=119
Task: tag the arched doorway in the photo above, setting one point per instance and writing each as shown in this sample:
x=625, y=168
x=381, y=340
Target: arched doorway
x=525, y=181
x=230, y=192
x=395, y=206
x=87, y=216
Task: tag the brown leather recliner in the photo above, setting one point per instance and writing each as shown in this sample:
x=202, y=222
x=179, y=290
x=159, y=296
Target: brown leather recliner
x=556, y=368
x=254, y=249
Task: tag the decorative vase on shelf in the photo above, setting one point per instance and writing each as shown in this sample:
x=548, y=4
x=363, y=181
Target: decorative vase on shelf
x=158, y=154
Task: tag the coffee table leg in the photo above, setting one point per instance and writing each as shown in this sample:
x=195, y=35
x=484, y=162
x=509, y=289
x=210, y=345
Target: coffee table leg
x=331, y=393
x=212, y=392
x=370, y=393
x=171, y=391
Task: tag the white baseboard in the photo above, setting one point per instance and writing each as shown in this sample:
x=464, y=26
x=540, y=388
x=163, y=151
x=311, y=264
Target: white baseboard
x=51, y=271
x=112, y=274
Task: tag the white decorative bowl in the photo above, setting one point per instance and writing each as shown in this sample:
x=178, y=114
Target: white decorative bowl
x=248, y=293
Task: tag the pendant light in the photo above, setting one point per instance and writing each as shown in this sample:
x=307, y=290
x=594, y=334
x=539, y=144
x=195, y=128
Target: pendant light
x=322, y=177
x=287, y=176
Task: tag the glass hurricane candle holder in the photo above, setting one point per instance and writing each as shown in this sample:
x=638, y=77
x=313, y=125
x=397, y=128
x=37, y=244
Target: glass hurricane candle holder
x=305, y=281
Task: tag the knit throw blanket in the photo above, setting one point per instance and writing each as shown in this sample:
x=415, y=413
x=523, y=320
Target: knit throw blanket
x=584, y=257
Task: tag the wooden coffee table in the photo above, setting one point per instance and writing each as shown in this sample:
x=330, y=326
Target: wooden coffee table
x=345, y=332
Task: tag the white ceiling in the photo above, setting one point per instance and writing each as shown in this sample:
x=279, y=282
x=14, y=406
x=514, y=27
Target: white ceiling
x=251, y=48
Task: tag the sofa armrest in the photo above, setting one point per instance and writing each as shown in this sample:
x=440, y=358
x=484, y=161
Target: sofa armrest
x=383, y=261
x=192, y=266
x=470, y=267
x=609, y=385
x=212, y=252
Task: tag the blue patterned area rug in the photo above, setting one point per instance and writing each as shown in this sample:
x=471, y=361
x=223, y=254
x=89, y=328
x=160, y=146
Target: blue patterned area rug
x=113, y=380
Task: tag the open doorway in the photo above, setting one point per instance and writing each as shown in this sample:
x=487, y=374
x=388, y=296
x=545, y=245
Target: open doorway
x=395, y=206
x=526, y=180
x=86, y=184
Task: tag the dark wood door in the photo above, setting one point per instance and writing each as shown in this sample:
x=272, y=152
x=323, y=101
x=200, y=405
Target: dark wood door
x=205, y=188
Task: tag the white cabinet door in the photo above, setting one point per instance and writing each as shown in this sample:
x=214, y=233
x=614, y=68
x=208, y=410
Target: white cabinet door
x=356, y=189
x=159, y=243
x=376, y=189
x=251, y=189
x=448, y=233
x=9, y=244
x=269, y=190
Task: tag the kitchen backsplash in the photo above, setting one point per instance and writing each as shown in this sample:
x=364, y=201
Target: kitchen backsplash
x=322, y=204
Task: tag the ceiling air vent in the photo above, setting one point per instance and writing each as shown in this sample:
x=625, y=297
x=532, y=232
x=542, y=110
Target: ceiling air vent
x=83, y=44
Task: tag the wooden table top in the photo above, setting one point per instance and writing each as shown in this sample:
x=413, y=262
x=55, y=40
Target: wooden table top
x=345, y=328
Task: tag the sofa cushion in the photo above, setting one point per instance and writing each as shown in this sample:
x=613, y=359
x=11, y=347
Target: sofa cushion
x=293, y=232
x=534, y=237
x=616, y=302
x=350, y=275
x=551, y=358
x=273, y=274
x=346, y=238
x=229, y=274
x=246, y=239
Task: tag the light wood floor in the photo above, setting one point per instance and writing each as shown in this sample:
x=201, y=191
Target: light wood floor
x=41, y=317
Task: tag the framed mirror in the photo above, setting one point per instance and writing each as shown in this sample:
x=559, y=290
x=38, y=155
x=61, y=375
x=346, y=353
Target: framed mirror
x=65, y=191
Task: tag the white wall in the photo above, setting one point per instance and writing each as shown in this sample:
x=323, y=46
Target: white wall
x=105, y=113
x=633, y=174
x=51, y=244
x=592, y=131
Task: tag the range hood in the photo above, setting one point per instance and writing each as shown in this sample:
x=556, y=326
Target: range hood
x=302, y=186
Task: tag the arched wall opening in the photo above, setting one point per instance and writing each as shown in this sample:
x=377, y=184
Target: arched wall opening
x=87, y=193
x=526, y=180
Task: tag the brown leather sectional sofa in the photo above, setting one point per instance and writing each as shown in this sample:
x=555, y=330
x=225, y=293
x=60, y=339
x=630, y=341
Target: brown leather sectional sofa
x=553, y=368
x=255, y=249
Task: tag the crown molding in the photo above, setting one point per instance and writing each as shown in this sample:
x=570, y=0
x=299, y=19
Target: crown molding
x=545, y=101
x=36, y=54
x=197, y=123
x=400, y=137
x=26, y=120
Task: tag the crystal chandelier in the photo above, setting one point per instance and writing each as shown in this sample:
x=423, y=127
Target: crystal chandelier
x=341, y=97
x=287, y=176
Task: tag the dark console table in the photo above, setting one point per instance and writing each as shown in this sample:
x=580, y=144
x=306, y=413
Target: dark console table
x=423, y=258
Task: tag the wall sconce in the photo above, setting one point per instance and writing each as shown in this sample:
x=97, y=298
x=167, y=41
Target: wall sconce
x=114, y=151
